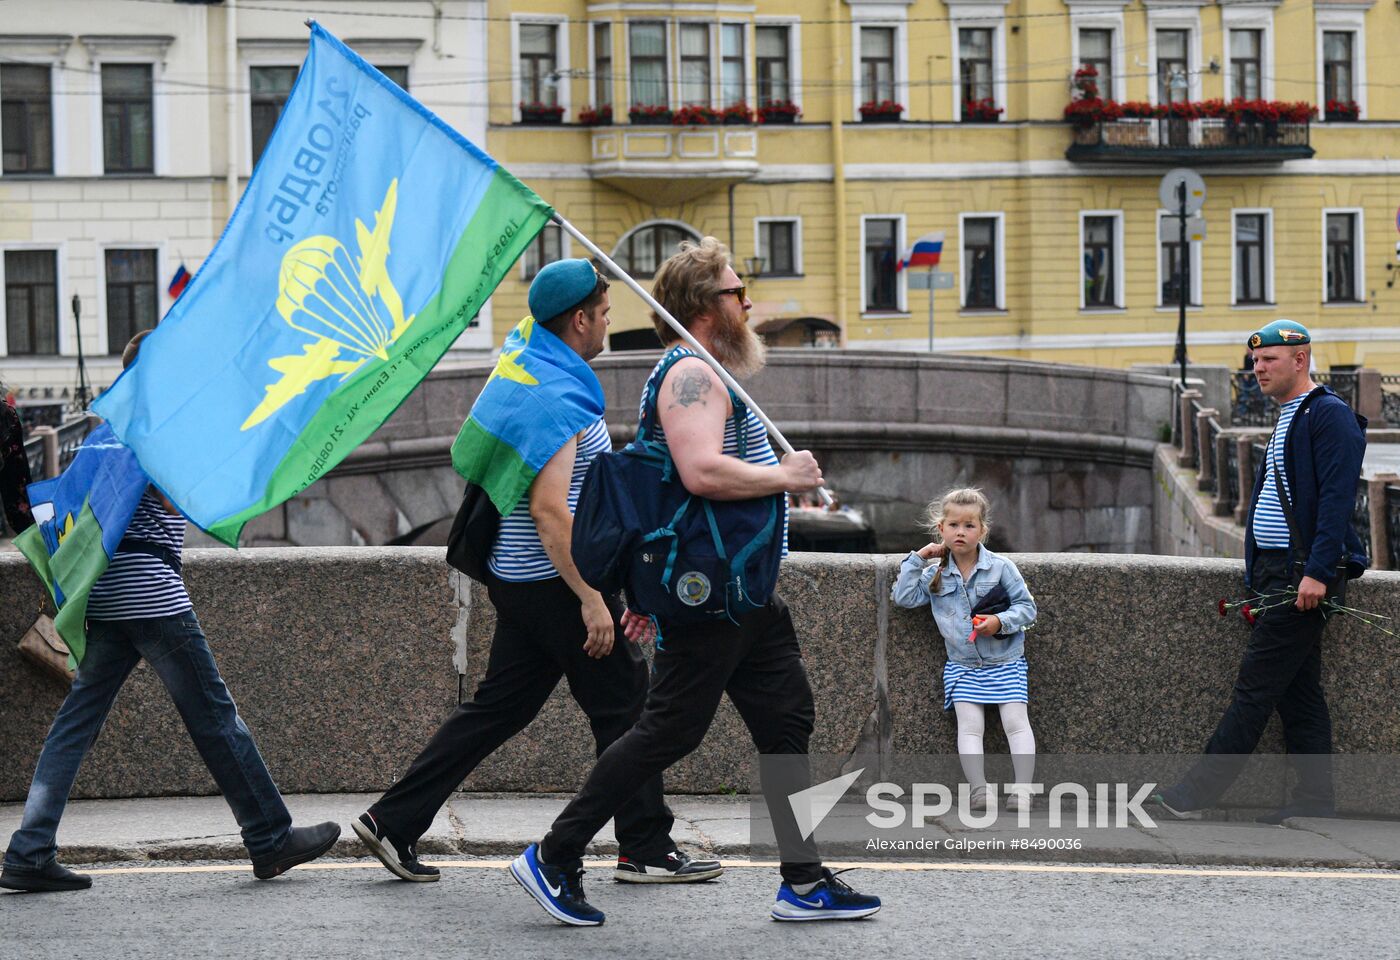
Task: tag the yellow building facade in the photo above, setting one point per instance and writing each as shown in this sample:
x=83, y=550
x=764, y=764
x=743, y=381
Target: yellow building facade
x=1051, y=232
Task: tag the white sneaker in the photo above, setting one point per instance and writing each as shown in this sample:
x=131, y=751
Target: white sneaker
x=979, y=799
x=1018, y=800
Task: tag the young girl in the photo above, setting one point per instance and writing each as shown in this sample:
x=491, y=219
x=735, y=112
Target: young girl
x=982, y=608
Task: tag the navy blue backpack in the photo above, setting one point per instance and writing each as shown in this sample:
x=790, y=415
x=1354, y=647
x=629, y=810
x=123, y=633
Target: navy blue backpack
x=681, y=558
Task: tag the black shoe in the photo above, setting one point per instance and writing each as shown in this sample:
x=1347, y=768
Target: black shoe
x=52, y=877
x=675, y=867
x=400, y=858
x=1292, y=810
x=1175, y=803
x=303, y=844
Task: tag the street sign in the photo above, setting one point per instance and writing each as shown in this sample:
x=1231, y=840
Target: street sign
x=1195, y=190
x=1169, y=229
x=932, y=280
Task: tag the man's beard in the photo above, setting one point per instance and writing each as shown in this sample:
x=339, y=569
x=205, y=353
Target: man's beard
x=738, y=349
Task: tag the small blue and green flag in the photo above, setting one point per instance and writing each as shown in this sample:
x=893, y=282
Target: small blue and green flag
x=540, y=394
x=80, y=517
x=368, y=239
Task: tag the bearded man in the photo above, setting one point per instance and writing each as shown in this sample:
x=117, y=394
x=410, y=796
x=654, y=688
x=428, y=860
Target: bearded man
x=756, y=660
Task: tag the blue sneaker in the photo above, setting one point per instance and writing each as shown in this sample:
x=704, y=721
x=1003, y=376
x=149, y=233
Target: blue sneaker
x=830, y=899
x=560, y=892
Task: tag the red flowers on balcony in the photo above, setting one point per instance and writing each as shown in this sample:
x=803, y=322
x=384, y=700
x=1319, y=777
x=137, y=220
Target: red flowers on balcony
x=981, y=111
x=881, y=111
x=697, y=116
x=1087, y=111
x=537, y=112
x=596, y=118
x=779, y=111
x=1344, y=110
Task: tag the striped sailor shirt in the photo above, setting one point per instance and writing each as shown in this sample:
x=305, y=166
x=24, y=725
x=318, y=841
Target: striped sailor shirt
x=138, y=586
x=1270, y=525
x=518, y=555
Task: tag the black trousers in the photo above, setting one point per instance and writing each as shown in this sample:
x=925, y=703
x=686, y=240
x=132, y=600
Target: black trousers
x=759, y=664
x=1281, y=670
x=539, y=638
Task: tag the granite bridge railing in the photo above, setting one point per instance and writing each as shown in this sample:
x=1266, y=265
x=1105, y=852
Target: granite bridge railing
x=344, y=660
x=1064, y=452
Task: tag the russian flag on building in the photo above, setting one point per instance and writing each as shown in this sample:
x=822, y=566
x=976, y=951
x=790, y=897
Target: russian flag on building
x=178, y=282
x=925, y=253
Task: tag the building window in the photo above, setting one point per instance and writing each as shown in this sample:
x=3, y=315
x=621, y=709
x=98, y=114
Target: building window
x=1169, y=267
x=1338, y=72
x=1100, y=262
x=546, y=248
x=1096, y=50
x=128, y=125
x=979, y=262
x=602, y=65
x=133, y=300
x=771, y=60
x=539, y=63
x=777, y=245
x=695, y=64
x=881, y=259
x=31, y=301
x=398, y=74
x=270, y=88
x=975, y=65
x=876, y=64
x=647, y=53
x=647, y=247
x=26, y=118
x=1341, y=258
x=733, y=81
x=1173, y=66
x=1246, y=52
x=1251, y=258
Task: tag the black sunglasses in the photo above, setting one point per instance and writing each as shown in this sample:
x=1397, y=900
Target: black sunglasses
x=737, y=291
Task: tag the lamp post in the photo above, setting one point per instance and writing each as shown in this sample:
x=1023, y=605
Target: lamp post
x=82, y=395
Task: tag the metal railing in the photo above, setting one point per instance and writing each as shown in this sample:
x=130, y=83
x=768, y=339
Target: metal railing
x=50, y=450
x=1390, y=399
x=1392, y=526
x=1212, y=138
x=1361, y=513
x=1347, y=384
x=1248, y=405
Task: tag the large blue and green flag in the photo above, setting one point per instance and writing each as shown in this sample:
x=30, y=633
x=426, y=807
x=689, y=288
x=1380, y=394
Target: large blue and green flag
x=367, y=240
x=80, y=517
x=540, y=394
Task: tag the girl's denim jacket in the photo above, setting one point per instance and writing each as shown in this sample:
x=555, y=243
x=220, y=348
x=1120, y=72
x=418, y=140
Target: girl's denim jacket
x=952, y=605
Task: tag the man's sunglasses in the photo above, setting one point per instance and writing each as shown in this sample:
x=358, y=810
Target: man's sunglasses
x=737, y=291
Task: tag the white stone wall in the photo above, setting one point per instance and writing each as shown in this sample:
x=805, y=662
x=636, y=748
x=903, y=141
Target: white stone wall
x=181, y=209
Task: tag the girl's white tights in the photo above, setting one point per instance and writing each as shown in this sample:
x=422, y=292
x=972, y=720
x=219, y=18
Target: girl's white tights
x=1019, y=737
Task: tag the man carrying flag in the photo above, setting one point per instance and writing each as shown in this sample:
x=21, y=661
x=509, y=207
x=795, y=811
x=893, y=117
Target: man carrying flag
x=110, y=554
x=531, y=435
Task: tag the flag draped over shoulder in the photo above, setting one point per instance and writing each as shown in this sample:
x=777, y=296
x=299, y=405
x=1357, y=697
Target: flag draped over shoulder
x=368, y=238
x=540, y=394
x=80, y=517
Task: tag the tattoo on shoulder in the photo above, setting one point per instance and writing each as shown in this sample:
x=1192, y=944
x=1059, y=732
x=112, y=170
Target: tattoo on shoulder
x=690, y=386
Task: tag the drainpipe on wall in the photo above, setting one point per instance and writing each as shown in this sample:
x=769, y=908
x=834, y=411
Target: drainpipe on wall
x=231, y=85
x=838, y=171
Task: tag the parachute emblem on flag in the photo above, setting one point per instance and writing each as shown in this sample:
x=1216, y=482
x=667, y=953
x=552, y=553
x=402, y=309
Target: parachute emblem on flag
x=350, y=306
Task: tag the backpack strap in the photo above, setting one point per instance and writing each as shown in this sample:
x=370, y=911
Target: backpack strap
x=653, y=392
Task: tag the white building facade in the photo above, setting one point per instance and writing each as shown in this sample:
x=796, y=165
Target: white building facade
x=130, y=128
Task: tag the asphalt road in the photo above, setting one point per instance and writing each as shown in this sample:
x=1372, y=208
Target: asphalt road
x=354, y=910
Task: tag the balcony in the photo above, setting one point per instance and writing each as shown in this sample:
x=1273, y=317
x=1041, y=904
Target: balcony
x=1176, y=141
x=673, y=165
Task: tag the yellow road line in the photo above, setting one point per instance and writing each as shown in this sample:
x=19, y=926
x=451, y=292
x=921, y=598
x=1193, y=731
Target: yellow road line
x=963, y=867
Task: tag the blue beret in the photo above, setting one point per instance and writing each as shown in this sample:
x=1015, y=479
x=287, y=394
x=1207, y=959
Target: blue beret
x=559, y=286
x=1280, y=333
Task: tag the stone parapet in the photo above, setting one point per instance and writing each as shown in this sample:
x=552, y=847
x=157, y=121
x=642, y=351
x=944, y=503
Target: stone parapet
x=343, y=661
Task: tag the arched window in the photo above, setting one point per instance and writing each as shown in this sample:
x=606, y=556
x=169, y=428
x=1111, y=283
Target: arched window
x=645, y=248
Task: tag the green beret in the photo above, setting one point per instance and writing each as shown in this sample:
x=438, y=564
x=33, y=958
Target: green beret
x=559, y=286
x=1280, y=333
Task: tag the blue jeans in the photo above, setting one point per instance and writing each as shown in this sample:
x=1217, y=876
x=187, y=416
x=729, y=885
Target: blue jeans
x=175, y=648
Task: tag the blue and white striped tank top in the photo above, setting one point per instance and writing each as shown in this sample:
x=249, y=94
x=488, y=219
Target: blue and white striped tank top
x=518, y=555
x=1270, y=525
x=138, y=586
x=758, y=451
